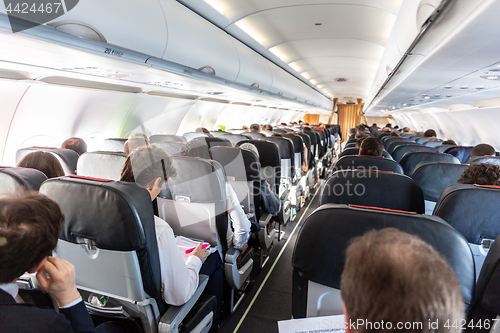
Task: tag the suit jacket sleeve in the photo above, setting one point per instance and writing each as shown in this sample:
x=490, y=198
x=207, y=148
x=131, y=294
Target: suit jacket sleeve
x=79, y=318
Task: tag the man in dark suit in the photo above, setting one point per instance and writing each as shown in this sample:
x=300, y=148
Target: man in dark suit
x=29, y=230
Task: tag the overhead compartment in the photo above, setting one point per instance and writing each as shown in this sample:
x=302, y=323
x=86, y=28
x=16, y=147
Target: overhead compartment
x=253, y=67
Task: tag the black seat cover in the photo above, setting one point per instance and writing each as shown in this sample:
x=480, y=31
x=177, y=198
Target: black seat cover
x=310, y=157
x=214, y=142
x=400, y=151
x=472, y=210
x=67, y=156
x=485, y=159
x=117, y=216
x=411, y=160
x=486, y=303
x=355, y=151
x=368, y=162
x=28, y=178
x=373, y=188
x=330, y=229
x=434, y=177
x=395, y=143
x=171, y=147
x=286, y=150
x=234, y=138
x=460, y=152
x=269, y=156
x=254, y=135
x=155, y=138
x=314, y=142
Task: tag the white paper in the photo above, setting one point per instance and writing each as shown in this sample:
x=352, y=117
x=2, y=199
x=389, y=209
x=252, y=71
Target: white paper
x=184, y=243
x=327, y=324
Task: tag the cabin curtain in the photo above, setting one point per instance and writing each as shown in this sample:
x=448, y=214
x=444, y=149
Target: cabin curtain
x=348, y=117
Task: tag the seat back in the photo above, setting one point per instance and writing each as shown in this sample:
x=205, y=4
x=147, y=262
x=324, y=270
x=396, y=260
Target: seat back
x=234, y=138
x=411, y=160
x=460, y=152
x=485, y=307
x=368, y=163
x=287, y=156
x=307, y=141
x=473, y=211
x=485, y=159
x=442, y=148
x=171, y=147
x=314, y=143
x=194, y=203
x=432, y=143
x=254, y=135
x=156, y=138
x=298, y=150
x=433, y=179
x=422, y=140
x=322, y=142
x=355, y=151
x=215, y=142
x=330, y=229
x=191, y=135
x=109, y=228
x=18, y=180
x=114, y=144
x=370, y=188
x=67, y=157
x=392, y=144
x=217, y=134
x=101, y=164
x=400, y=151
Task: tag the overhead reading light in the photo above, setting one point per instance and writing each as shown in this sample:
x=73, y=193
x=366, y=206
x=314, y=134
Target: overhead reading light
x=207, y=70
x=427, y=97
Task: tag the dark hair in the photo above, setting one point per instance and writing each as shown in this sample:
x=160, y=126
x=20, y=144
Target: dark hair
x=388, y=125
x=276, y=135
x=135, y=141
x=202, y=130
x=196, y=148
x=268, y=128
x=374, y=125
x=449, y=142
x=144, y=164
x=430, y=133
x=42, y=161
x=75, y=144
x=307, y=129
x=29, y=229
x=406, y=277
x=481, y=174
x=360, y=141
x=482, y=149
x=255, y=128
x=352, y=131
x=372, y=147
x=394, y=134
x=361, y=135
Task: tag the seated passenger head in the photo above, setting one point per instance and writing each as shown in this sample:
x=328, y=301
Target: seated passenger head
x=430, y=133
x=276, y=135
x=449, y=143
x=360, y=141
x=135, y=141
x=255, y=128
x=202, y=130
x=149, y=167
x=361, y=135
x=393, y=277
x=387, y=130
x=372, y=147
x=374, y=125
x=42, y=161
x=353, y=131
x=195, y=148
x=394, y=134
x=481, y=174
x=482, y=149
x=221, y=128
x=361, y=128
x=268, y=128
x=250, y=147
x=307, y=129
x=29, y=229
x=406, y=129
x=75, y=144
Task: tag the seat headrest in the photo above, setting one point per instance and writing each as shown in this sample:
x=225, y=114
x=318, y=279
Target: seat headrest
x=114, y=144
x=462, y=153
x=191, y=135
x=355, y=151
x=14, y=180
x=367, y=162
x=254, y=135
x=312, y=136
x=488, y=283
x=67, y=157
x=171, y=147
x=200, y=180
x=298, y=142
x=215, y=142
x=269, y=152
x=485, y=159
x=411, y=160
x=306, y=139
x=369, y=188
x=157, y=138
x=400, y=151
x=434, y=177
x=472, y=210
x=235, y=138
x=240, y=164
x=100, y=164
x=285, y=145
x=330, y=229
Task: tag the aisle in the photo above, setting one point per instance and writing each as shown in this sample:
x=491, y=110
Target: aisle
x=270, y=298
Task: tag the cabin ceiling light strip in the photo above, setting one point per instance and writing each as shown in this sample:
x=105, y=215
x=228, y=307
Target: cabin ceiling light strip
x=217, y=5
x=250, y=31
x=277, y=53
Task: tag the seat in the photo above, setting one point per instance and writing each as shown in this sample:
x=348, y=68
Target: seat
x=442, y=148
x=215, y=142
x=110, y=228
x=330, y=229
x=368, y=163
x=355, y=151
x=434, y=177
x=67, y=157
x=17, y=180
x=373, y=188
x=217, y=134
x=391, y=140
x=101, y=164
x=254, y=135
x=485, y=159
x=234, y=138
x=191, y=135
x=171, y=147
x=298, y=147
x=350, y=145
x=484, y=311
x=412, y=159
x=307, y=181
x=460, y=152
x=114, y=144
x=395, y=143
x=156, y=138
x=194, y=205
x=432, y=143
x=400, y=151
x=472, y=210
x=421, y=140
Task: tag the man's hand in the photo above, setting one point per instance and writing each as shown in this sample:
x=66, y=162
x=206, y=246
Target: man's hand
x=200, y=252
x=244, y=248
x=60, y=282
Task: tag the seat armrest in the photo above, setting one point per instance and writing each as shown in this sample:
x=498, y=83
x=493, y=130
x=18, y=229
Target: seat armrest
x=170, y=321
x=284, y=195
x=232, y=255
x=265, y=219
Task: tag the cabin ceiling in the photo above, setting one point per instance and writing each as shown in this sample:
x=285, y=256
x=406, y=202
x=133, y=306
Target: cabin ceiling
x=333, y=45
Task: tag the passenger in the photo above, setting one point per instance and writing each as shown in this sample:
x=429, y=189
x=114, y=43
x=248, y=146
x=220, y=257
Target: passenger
x=361, y=135
x=240, y=223
x=276, y=135
x=267, y=128
x=482, y=149
x=202, y=130
x=270, y=201
x=360, y=141
x=449, y=143
x=371, y=147
x=221, y=128
x=135, y=141
x=75, y=144
x=151, y=167
x=244, y=128
x=430, y=133
x=395, y=135
x=361, y=128
x=42, y=161
x=29, y=231
x=481, y=174
x=387, y=130
x=255, y=128
x=307, y=129
x=406, y=130
x=393, y=277
x=389, y=126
